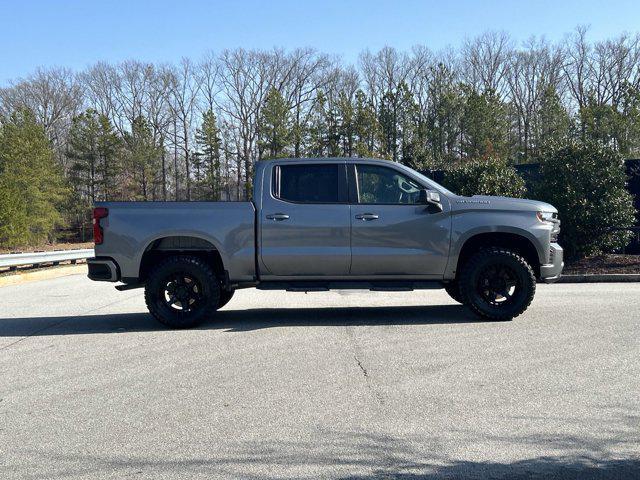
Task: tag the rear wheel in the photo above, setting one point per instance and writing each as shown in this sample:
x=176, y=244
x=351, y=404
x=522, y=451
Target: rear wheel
x=182, y=292
x=497, y=284
x=225, y=297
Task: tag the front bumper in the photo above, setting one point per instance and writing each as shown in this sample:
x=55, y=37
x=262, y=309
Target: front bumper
x=103, y=269
x=552, y=271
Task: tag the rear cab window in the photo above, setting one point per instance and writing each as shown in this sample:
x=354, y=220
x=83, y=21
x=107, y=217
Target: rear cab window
x=313, y=183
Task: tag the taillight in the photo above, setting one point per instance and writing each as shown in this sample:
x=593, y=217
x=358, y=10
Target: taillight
x=98, y=213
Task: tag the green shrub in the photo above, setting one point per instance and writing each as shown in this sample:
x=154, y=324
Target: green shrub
x=484, y=177
x=586, y=183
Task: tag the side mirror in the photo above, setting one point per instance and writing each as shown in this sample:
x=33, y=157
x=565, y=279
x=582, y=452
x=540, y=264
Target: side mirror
x=431, y=198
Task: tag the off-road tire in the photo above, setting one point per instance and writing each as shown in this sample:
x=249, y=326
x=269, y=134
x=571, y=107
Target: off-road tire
x=471, y=292
x=195, y=268
x=225, y=297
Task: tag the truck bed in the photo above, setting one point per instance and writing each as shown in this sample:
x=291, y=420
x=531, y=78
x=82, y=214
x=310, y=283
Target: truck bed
x=131, y=227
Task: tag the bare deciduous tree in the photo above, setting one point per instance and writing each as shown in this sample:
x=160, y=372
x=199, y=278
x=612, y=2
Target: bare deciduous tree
x=53, y=95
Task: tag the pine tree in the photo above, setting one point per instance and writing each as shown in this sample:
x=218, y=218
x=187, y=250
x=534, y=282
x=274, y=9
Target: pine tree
x=412, y=133
x=444, y=113
x=110, y=153
x=325, y=128
x=92, y=149
x=388, y=125
x=346, y=128
x=485, y=125
x=554, y=122
x=208, y=157
x=332, y=121
x=317, y=131
x=366, y=126
x=31, y=185
x=143, y=159
x=275, y=125
x=614, y=125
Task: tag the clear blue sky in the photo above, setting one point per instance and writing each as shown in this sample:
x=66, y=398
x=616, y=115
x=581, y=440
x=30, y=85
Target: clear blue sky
x=79, y=33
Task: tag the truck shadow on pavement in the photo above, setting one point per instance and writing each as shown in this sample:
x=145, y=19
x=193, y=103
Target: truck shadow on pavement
x=242, y=320
x=372, y=456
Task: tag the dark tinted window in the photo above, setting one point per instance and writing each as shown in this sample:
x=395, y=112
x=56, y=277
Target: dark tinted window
x=307, y=183
x=381, y=185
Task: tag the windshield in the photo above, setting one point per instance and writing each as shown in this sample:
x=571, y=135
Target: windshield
x=424, y=179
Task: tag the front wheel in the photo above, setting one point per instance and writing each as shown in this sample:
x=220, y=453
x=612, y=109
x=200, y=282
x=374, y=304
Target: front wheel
x=182, y=291
x=497, y=284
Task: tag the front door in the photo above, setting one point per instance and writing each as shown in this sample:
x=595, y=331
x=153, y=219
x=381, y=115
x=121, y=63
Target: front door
x=391, y=234
x=305, y=222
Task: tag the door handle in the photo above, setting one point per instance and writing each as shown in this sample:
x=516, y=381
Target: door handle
x=367, y=216
x=278, y=217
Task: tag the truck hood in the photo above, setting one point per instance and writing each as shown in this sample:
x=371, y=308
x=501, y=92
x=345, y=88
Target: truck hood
x=502, y=203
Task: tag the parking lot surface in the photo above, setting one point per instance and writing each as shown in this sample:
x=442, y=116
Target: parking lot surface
x=349, y=384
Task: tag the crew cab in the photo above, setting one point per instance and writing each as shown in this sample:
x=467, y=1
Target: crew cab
x=320, y=224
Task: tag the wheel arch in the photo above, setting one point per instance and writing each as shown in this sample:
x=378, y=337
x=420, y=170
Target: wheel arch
x=165, y=246
x=517, y=240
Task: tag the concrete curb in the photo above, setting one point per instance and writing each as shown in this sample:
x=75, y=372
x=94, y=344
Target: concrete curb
x=600, y=278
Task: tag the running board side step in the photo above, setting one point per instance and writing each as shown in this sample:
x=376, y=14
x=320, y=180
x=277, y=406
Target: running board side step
x=129, y=286
x=324, y=286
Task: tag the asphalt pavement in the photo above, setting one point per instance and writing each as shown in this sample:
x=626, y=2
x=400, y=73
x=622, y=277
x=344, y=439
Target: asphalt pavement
x=344, y=384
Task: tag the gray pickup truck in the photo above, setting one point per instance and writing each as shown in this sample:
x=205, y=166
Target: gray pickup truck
x=320, y=224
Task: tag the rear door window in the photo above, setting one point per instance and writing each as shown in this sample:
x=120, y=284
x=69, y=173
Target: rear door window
x=308, y=183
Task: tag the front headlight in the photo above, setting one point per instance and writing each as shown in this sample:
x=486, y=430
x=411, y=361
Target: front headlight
x=550, y=218
x=547, y=217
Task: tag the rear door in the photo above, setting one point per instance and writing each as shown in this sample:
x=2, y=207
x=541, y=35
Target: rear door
x=304, y=221
x=391, y=234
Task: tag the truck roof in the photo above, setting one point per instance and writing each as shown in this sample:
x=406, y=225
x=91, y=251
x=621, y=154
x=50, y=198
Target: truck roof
x=330, y=159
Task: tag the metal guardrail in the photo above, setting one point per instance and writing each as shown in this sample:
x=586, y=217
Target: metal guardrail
x=38, y=258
